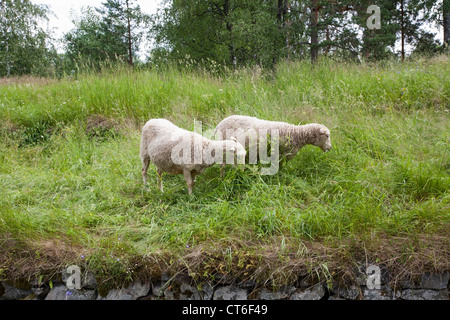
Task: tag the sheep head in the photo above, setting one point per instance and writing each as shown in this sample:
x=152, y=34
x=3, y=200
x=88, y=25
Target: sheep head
x=323, y=139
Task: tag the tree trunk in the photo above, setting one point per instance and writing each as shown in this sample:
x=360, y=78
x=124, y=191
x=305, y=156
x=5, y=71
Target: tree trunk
x=314, y=33
x=282, y=10
x=446, y=14
x=8, y=64
x=5, y=22
x=328, y=42
x=130, y=52
x=402, y=12
x=287, y=11
x=229, y=26
x=280, y=28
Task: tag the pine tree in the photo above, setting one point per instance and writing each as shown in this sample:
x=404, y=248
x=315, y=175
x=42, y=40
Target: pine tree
x=119, y=28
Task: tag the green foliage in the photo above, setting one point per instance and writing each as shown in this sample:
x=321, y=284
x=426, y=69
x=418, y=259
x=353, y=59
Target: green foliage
x=25, y=48
x=109, y=33
x=121, y=20
x=215, y=34
x=263, y=32
x=83, y=44
x=226, y=32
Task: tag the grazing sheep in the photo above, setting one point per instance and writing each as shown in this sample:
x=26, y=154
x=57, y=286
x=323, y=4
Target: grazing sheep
x=250, y=131
x=178, y=151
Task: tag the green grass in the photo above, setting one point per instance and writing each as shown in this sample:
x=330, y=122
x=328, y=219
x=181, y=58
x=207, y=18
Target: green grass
x=71, y=192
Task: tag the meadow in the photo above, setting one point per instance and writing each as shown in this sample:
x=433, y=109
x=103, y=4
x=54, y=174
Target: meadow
x=72, y=193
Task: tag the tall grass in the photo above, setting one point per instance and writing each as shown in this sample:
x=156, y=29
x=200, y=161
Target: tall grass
x=388, y=172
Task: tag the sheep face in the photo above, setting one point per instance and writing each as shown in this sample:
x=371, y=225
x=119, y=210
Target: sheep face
x=323, y=140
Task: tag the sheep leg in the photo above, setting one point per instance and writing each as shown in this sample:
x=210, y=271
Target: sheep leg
x=222, y=170
x=145, y=164
x=189, y=180
x=159, y=174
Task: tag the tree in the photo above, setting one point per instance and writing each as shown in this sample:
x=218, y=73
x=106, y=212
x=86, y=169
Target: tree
x=446, y=21
x=112, y=32
x=339, y=28
x=83, y=44
x=326, y=26
x=426, y=44
x=229, y=32
x=25, y=48
x=249, y=32
x=377, y=44
x=190, y=29
x=120, y=24
x=414, y=14
x=262, y=32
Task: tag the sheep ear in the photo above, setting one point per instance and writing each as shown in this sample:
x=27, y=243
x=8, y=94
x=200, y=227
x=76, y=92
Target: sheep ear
x=322, y=131
x=234, y=139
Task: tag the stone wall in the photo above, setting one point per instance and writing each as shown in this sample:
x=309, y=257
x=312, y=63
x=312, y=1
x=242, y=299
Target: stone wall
x=429, y=287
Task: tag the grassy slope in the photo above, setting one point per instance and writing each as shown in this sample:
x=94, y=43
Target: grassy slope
x=381, y=194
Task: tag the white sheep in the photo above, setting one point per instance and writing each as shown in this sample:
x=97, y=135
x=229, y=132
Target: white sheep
x=177, y=151
x=250, y=132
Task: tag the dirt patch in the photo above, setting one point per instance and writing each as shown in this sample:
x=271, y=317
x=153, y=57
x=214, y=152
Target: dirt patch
x=9, y=127
x=100, y=125
x=42, y=257
x=274, y=263
x=26, y=81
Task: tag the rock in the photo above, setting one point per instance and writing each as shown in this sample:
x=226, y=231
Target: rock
x=317, y=292
x=435, y=281
x=230, y=292
x=83, y=294
x=335, y=297
x=165, y=277
x=61, y=292
x=182, y=290
x=158, y=288
x=424, y=294
x=118, y=294
x=183, y=287
x=40, y=292
x=362, y=275
x=188, y=292
x=282, y=294
x=350, y=293
x=406, y=284
x=133, y=291
x=375, y=294
x=88, y=280
x=10, y=292
x=58, y=292
x=202, y=292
